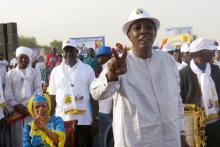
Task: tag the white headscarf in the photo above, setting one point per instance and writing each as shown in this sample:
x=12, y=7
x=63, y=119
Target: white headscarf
x=26, y=75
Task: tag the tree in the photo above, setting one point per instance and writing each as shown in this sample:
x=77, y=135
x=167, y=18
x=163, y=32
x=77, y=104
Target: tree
x=30, y=42
x=57, y=44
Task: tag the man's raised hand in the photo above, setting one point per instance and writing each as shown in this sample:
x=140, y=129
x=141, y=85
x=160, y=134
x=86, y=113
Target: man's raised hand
x=117, y=65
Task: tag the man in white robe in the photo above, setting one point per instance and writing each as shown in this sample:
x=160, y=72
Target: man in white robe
x=69, y=88
x=147, y=107
x=21, y=83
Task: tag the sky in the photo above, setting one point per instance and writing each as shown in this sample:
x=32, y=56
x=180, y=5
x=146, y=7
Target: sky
x=60, y=19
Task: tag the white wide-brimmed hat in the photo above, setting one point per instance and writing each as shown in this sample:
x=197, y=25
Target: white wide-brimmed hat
x=201, y=44
x=69, y=42
x=136, y=14
x=168, y=48
x=184, y=48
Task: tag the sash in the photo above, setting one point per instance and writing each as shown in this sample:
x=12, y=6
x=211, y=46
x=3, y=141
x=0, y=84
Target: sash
x=73, y=101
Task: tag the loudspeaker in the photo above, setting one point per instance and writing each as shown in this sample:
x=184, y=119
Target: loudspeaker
x=12, y=38
x=2, y=39
x=3, y=31
x=2, y=28
x=11, y=27
x=8, y=39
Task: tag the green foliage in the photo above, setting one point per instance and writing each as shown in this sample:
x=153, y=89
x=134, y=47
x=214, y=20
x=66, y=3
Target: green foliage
x=30, y=42
x=57, y=44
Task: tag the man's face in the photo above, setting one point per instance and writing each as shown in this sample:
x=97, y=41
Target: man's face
x=103, y=59
x=91, y=52
x=185, y=57
x=142, y=34
x=23, y=61
x=204, y=56
x=70, y=54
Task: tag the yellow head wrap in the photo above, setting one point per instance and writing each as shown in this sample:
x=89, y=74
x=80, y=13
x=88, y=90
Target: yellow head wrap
x=32, y=100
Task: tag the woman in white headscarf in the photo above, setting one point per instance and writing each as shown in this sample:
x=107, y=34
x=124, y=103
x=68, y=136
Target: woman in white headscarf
x=21, y=82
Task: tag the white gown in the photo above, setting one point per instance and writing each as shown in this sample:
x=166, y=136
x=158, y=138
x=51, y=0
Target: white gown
x=147, y=108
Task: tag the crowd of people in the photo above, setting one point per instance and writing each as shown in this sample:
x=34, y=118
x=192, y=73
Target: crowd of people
x=137, y=96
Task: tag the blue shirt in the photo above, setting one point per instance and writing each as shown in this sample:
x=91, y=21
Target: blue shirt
x=55, y=123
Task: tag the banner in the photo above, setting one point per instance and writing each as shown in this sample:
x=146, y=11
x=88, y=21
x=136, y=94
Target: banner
x=84, y=43
x=178, y=39
x=37, y=53
x=174, y=31
x=177, y=36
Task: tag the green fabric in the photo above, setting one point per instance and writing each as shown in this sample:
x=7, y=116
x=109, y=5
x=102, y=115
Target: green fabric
x=93, y=62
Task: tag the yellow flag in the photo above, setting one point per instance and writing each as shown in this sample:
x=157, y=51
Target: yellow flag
x=185, y=38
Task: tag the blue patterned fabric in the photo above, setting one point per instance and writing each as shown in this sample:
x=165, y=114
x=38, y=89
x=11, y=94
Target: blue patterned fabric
x=55, y=124
x=39, y=98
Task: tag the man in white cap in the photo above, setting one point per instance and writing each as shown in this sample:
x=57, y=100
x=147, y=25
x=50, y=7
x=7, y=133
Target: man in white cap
x=171, y=50
x=217, y=61
x=70, y=94
x=21, y=83
x=147, y=107
x=185, y=57
x=200, y=85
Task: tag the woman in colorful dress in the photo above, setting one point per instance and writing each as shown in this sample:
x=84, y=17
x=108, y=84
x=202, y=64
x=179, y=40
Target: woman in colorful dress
x=45, y=129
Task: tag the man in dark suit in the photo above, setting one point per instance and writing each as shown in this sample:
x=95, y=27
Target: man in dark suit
x=200, y=85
